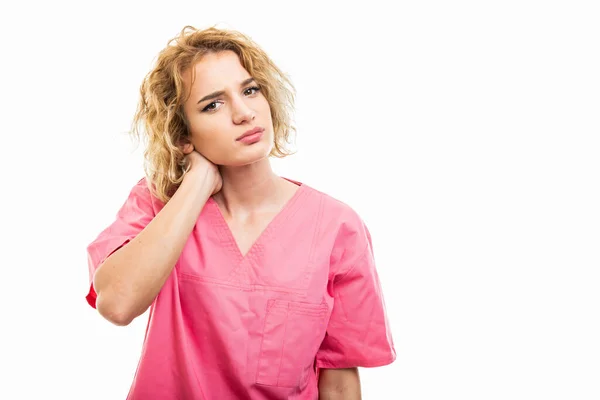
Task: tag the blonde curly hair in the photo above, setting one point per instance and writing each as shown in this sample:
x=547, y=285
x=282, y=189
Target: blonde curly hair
x=160, y=118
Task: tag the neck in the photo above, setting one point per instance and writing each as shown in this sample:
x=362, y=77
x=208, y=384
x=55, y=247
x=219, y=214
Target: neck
x=248, y=187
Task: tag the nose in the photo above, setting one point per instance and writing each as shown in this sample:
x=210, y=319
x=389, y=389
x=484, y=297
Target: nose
x=242, y=113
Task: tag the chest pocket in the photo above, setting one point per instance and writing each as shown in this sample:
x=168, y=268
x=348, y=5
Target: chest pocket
x=292, y=334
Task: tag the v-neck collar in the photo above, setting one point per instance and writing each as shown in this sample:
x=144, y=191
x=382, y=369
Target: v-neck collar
x=227, y=237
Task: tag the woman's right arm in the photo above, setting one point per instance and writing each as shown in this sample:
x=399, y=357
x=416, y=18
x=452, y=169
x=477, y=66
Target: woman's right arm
x=129, y=280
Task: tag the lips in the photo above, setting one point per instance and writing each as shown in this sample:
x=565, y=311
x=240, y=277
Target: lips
x=251, y=132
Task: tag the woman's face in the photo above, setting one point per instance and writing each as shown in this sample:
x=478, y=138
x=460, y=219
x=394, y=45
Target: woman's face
x=216, y=123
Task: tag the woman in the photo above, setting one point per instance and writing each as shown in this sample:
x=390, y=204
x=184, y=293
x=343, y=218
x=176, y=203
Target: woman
x=259, y=287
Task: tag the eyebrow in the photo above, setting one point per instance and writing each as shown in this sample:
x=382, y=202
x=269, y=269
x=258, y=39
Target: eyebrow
x=222, y=92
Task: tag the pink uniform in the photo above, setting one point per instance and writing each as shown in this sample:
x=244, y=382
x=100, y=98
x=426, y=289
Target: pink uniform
x=227, y=326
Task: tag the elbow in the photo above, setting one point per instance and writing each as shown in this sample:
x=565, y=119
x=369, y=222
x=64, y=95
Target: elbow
x=108, y=304
x=116, y=315
x=120, y=319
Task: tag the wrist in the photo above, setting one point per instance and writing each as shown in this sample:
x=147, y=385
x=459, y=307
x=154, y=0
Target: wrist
x=198, y=183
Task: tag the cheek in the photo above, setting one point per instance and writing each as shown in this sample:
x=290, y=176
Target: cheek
x=266, y=109
x=204, y=130
x=209, y=141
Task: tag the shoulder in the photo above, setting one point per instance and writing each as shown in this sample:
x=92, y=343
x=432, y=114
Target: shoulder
x=343, y=232
x=142, y=186
x=140, y=198
x=140, y=191
x=341, y=222
x=337, y=209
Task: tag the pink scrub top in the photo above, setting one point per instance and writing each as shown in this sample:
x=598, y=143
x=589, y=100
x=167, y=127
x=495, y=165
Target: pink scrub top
x=257, y=326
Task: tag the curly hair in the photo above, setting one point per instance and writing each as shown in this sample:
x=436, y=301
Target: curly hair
x=160, y=118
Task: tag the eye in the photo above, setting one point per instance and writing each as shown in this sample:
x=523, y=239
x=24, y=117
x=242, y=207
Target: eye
x=211, y=107
x=253, y=88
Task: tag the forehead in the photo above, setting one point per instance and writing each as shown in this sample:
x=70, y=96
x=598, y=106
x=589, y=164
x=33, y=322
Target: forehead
x=216, y=71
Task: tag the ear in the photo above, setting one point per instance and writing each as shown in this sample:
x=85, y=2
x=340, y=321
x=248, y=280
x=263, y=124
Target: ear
x=187, y=148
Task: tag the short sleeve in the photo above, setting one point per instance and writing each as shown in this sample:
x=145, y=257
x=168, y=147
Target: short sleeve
x=133, y=216
x=358, y=332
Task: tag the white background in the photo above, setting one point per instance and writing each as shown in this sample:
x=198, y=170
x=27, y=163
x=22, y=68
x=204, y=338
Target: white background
x=466, y=134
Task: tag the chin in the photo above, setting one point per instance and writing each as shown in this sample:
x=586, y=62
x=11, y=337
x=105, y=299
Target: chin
x=249, y=155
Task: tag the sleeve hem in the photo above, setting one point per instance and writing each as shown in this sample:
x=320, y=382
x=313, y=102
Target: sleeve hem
x=366, y=363
x=91, y=296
